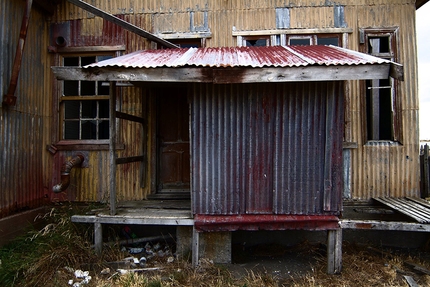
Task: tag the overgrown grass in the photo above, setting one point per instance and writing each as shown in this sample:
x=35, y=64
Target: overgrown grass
x=41, y=258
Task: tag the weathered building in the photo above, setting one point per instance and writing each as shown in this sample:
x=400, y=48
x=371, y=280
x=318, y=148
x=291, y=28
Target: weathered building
x=299, y=146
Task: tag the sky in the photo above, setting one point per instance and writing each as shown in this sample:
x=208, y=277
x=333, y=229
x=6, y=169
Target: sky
x=423, y=33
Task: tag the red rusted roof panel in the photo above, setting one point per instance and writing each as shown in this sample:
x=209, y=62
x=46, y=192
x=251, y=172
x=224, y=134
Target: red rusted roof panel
x=257, y=57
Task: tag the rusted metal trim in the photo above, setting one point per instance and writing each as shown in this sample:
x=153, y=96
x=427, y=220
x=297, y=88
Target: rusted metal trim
x=10, y=99
x=211, y=223
x=122, y=23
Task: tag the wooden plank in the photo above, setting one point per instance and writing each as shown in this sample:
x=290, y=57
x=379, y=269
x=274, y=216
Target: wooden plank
x=194, y=74
x=122, y=23
x=129, y=117
x=399, y=207
x=418, y=267
x=90, y=49
x=132, y=220
x=225, y=75
x=383, y=225
x=300, y=74
x=293, y=31
x=411, y=282
x=122, y=160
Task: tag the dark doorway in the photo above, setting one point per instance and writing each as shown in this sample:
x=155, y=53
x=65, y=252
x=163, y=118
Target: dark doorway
x=173, y=141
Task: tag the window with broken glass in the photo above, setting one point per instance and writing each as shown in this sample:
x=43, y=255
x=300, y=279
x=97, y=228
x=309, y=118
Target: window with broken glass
x=381, y=95
x=84, y=104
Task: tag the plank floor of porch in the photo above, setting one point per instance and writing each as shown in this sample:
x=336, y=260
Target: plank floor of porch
x=398, y=214
x=151, y=212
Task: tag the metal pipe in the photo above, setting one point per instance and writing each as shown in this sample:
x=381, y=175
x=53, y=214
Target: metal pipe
x=65, y=173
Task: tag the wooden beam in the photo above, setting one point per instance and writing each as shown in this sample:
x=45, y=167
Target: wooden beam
x=122, y=23
x=129, y=117
x=174, y=221
x=383, y=225
x=225, y=75
x=98, y=238
x=129, y=159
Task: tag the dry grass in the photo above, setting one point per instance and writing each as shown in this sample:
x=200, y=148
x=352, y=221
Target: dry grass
x=40, y=260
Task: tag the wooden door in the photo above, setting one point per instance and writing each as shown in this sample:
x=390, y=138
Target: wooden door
x=173, y=141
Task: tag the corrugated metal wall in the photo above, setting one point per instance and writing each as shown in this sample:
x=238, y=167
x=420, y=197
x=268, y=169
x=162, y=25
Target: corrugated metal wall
x=262, y=149
x=24, y=128
x=28, y=171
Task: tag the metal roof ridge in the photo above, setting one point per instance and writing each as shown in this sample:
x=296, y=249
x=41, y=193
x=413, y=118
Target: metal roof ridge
x=301, y=56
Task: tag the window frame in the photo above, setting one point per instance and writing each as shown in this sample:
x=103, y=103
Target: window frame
x=281, y=36
x=393, y=55
x=79, y=144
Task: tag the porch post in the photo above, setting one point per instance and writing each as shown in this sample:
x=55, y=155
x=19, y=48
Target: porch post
x=334, y=251
x=195, y=248
x=112, y=152
x=98, y=238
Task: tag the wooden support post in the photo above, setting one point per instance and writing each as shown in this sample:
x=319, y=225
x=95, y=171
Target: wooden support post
x=112, y=151
x=195, y=248
x=98, y=238
x=334, y=251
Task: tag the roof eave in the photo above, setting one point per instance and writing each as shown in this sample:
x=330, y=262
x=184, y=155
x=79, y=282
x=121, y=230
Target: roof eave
x=228, y=75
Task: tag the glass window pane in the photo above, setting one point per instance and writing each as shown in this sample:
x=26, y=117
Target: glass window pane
x=71, y=109
x=104, y=130
x=71, y=61
x=328, y=41
x=70, y=88
x=296, y=41
x=88, y=88
x=104, y=57
x=87, y=60
x=103, y=88
x=89, y=109
x=89, y=130
x=71, y=130
x=104, y=109
x=256, y=43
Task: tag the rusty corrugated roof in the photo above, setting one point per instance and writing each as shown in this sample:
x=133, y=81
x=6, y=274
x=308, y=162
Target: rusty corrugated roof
x=257, y=57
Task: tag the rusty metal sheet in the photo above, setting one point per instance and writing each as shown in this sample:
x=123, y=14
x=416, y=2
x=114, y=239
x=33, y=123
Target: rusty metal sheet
x=256, y=57
x=265, y=222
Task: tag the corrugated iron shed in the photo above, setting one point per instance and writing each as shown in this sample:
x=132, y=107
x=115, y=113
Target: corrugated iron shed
x=255, y=57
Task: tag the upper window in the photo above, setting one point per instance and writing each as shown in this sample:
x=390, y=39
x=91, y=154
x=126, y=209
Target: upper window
x=84, y=105
x=315, y=39
x=381, y=104
x=334, y=39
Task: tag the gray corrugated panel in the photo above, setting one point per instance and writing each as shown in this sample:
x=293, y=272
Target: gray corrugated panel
x=261, y=149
